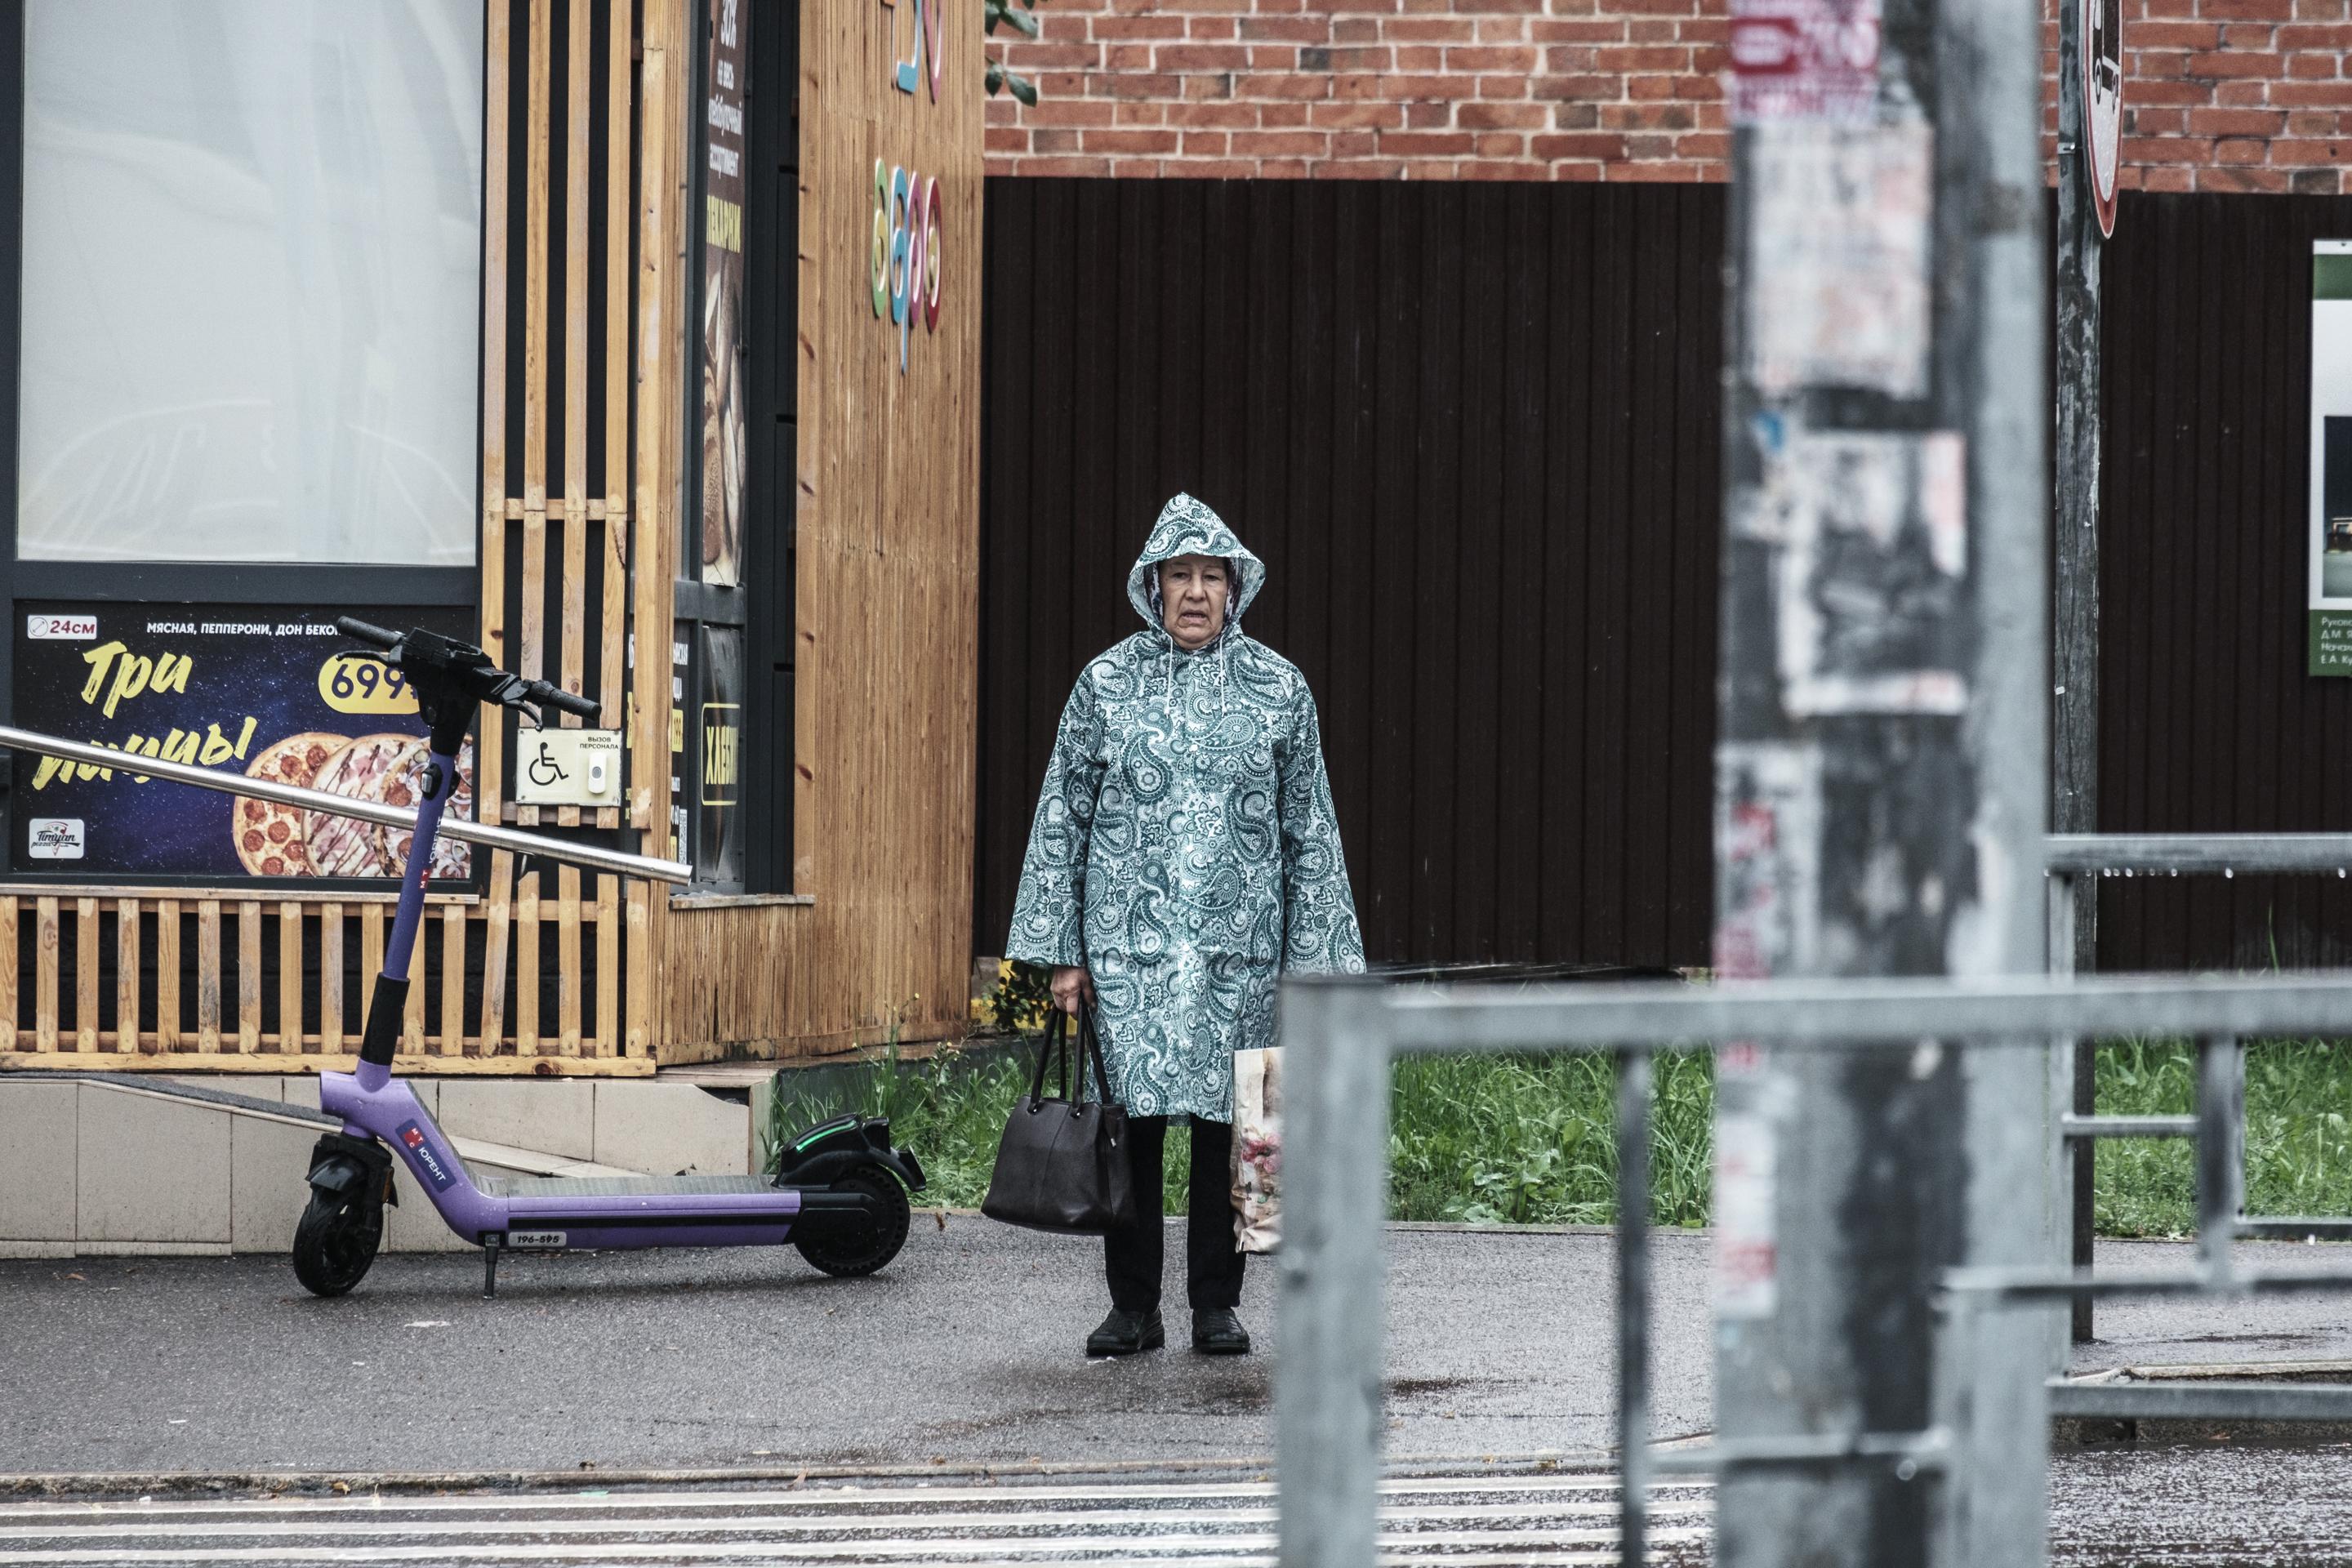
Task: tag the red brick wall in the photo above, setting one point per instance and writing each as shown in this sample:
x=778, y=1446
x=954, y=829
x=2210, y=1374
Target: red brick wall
x=2223, y=94
x=2235, y=95
x=1514, y=89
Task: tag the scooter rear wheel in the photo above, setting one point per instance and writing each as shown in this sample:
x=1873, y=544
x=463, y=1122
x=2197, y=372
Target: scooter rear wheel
x=846, y=1257
x=335, y=1241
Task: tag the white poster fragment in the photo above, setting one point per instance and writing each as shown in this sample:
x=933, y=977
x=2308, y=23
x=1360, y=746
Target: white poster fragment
x=1837, y=285
x=1752, y=1102
x=1873, y=530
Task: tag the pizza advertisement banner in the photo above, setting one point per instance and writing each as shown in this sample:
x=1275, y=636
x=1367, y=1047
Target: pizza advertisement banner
x=262, y=690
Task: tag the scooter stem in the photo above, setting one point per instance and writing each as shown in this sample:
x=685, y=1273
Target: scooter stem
x=389, y=1007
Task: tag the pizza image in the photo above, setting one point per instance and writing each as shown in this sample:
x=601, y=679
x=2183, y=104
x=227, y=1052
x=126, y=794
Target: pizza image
x=344, y=845
x=404, y=786
x=273, y=840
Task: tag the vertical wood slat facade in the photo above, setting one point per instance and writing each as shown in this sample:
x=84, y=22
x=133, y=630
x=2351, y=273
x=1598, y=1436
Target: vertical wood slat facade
x=875, y=937
x=1474, y=432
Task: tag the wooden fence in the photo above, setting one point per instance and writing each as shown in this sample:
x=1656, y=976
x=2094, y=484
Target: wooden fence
x=1474, y=434
x=2206, y=720
x=290, y=976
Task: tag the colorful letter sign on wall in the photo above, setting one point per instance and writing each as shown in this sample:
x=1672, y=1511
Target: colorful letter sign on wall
x=902, y=268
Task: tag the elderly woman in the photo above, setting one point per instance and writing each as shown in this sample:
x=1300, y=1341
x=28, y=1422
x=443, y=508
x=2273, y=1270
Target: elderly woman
x=1184, y=854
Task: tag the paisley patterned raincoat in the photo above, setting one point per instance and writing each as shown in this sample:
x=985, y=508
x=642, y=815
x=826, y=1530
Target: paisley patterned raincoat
x=1184, y=849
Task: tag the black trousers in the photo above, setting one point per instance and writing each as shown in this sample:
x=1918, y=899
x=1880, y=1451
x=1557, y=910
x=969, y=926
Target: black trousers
x=1132, y=1256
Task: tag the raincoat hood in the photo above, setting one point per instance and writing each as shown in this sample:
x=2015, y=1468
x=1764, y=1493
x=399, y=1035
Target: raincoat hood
x=1185, y=848
x=1187, y=528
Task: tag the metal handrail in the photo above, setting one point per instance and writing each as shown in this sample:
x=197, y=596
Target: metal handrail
x=1861, y=1014
x=1340, y=1033
x=2069, y=857
x=487, y=834
x=2198, y=854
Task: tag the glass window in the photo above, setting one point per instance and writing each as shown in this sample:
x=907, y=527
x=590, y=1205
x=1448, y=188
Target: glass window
x=251, y=306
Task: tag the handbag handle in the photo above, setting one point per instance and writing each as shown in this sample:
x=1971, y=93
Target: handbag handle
x=1051, y=1045
x=1057, y=1045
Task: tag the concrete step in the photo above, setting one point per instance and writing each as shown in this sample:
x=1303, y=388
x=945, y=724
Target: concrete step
x=638, y=1124
x=125, y=1163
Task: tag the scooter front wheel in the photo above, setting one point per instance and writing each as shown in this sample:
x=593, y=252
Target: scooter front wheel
x=335, y=1241
x=864, y=1251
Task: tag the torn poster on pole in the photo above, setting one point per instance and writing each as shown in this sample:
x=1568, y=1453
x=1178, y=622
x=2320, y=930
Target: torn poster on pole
x=1768, y=833
x=1804, y=59
x=1767, y=839
x=1752, y=1102
x=1837, y=290
x=1874, y=532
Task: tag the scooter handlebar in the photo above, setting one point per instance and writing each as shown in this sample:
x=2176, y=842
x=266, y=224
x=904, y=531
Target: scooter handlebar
x=545, y=696
x=364, y=632
x=485, y=681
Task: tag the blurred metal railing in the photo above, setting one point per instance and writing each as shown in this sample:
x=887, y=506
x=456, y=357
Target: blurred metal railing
x=1343, y=1033
x=2073, y=858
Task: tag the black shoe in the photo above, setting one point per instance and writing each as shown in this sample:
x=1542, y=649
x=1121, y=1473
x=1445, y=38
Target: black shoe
x=1127, y=1333
x=1220, y=1332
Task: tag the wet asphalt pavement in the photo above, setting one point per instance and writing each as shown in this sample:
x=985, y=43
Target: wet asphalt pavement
x=966, y=1350
x=2275, y=1328
x=965, y=1354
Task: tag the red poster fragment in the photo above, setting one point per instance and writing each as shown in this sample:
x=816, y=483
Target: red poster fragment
x=1804, y=59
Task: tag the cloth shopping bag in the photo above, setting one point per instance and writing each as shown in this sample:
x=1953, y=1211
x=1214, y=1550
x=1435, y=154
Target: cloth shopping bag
x=1257, y=1149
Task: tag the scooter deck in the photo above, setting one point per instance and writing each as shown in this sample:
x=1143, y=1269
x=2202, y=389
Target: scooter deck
x=621, y=1186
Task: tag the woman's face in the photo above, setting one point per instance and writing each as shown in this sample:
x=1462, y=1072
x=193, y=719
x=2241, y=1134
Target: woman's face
x=1192, y=591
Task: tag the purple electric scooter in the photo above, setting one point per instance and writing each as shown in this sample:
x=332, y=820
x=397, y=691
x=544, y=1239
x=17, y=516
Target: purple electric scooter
x=840, y=1195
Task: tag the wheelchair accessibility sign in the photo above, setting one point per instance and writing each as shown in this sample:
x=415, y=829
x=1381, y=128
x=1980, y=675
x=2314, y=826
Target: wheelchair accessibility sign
x=568, y=767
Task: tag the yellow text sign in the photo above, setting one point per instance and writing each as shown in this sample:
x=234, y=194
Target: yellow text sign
x=355, y=683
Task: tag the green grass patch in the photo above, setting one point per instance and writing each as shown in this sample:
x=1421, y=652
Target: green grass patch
x=2298, y=1137
x=1531, y=1139
x=1518, y=1140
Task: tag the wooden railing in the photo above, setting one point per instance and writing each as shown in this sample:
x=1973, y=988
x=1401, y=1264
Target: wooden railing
x=216, y=980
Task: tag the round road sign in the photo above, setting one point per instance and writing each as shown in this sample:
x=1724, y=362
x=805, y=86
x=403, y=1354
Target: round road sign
x=2100, y=24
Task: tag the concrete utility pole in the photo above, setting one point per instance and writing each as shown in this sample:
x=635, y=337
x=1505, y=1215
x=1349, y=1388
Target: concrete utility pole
x=1881, y=787
x=2074, y=749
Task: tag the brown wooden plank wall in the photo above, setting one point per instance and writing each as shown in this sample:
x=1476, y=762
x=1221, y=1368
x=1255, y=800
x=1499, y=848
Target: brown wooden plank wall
x=875, y=935
x=2207, y=722
x=1474, y=431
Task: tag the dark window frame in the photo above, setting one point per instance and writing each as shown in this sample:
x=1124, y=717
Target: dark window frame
x=339, y=586
x=763, y=607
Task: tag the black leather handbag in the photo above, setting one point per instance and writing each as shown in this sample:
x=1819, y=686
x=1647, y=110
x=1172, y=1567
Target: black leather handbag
x=1064, y=1165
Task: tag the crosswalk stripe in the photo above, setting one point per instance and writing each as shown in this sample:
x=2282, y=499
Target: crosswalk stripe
x=830, y=1494
x=801, y=1522
x=1187, y=1549
x=1466, y=1522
